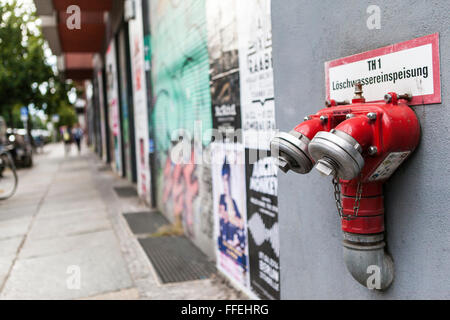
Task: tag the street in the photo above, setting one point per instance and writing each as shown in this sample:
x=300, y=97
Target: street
x=63, y=236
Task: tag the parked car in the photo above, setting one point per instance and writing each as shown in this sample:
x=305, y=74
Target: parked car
x=22, y=151
x=41, y=135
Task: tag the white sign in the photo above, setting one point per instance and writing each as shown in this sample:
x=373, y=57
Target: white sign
x=256, y=73
x=389, y=165
x=408, y=67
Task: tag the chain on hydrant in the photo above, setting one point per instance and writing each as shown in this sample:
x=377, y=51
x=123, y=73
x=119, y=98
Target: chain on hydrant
x=360, y=145
x=337, y=198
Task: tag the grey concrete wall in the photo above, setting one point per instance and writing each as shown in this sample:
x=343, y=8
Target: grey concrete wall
x=417, y=199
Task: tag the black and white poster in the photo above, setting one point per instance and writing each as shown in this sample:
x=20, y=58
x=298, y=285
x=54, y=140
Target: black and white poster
x=258, y=127
x=256, y=73
x=226, y=107
x=224, y=68
x=262, y=224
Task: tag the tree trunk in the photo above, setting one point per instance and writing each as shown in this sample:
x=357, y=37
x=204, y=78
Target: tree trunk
x=29, y=127
x=10, y=116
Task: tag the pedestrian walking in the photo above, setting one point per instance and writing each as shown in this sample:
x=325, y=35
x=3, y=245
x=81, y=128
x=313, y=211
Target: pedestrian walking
x=67, y=139
x=39, y=143
x=78, y=135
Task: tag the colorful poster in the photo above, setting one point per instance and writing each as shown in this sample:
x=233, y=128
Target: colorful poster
x=258, y=126
x=256, y=73
x=182, y=107
x=262, y=224
x=224, y=68
x=113, y=103
x=228, y=171
x=227, y=152
x=140, y=103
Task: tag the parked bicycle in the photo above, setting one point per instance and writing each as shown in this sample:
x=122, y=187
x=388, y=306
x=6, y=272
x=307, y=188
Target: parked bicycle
x=8, y=174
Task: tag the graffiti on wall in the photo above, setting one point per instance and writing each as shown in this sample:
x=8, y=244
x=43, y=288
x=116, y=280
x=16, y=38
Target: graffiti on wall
x=181, y=188
x=182, y=98
x=212, y=69
x=228, y=170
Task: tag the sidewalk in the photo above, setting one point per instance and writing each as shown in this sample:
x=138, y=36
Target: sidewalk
x=62, y=236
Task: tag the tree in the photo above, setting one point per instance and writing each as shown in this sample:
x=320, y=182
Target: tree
x=25, y=76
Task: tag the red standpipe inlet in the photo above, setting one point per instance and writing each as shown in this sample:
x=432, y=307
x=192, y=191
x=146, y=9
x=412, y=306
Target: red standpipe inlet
x=369, y=218
x=361, y=144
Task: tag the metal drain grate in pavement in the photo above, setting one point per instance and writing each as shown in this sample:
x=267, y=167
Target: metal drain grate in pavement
x=104, y=168
x=145, y=222
x=176, y=259
x=125, y=192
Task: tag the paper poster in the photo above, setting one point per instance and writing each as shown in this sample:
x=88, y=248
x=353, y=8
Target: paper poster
x=224, y=68
x=228, y=173
x=140, y=103
x=256, y=73
x=262, y=224
x=113, y=105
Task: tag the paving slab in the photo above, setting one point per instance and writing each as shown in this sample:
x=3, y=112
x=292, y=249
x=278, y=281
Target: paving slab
x=43, y=247
x=15, y=213
x=96, y=208
x=14, y=227
x=65, y=225
x=10, y=246
x=5, y=264
x=101, y=269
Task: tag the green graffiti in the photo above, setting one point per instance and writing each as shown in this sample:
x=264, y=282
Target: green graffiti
x=180, y=69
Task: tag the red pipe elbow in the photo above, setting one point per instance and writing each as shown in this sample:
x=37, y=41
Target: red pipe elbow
x=359, y=128
x=309, y=128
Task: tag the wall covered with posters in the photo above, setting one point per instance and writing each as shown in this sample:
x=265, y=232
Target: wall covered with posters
x=140, y=103
x=182, y=107
x=212, y=69
x=258, y=127
x=112, y=92
x=213, y=115
x=228, y=167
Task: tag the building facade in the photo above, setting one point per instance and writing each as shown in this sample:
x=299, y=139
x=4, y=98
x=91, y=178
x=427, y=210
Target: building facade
x=184, y=99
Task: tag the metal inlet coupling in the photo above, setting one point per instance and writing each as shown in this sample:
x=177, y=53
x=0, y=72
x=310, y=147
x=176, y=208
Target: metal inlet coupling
x=291, y=149
x=336, y=153
x=367, y=261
